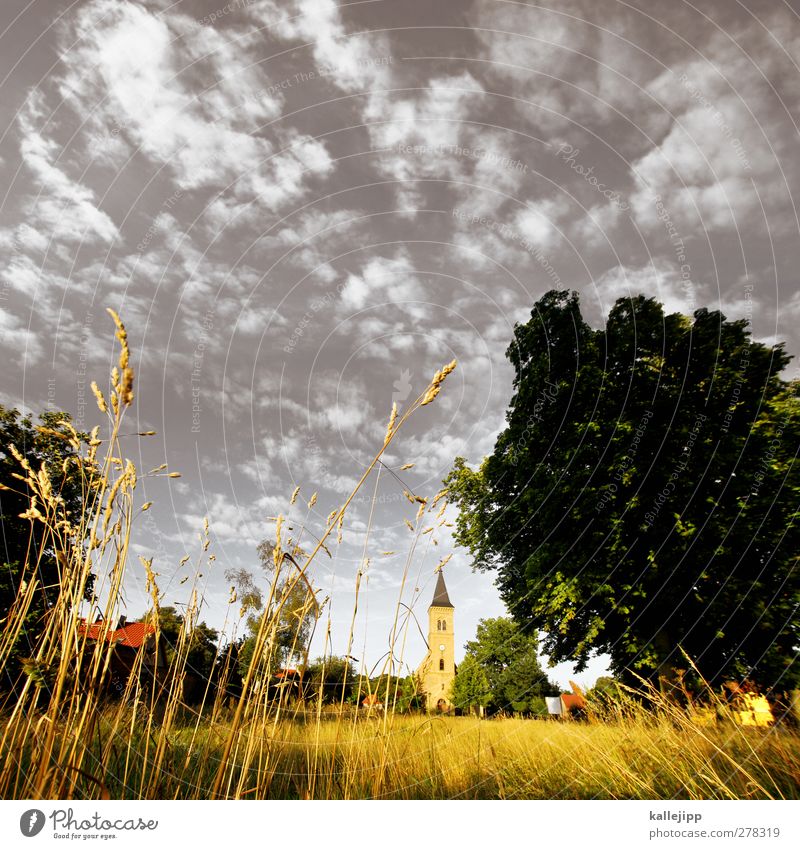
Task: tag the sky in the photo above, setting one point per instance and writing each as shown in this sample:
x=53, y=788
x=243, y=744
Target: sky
x=303, y=209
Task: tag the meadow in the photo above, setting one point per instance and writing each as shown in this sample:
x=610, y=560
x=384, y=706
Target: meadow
x=421, y=757
x=62, y=737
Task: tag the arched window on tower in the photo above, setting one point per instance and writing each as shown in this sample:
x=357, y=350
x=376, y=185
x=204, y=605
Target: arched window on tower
x=444, y=624
x=441, y=664
x=438, y=624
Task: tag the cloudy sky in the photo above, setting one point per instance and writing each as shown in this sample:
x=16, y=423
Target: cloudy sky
x=303, y=208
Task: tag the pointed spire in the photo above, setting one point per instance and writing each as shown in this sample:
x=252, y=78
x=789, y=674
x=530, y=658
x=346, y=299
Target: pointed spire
x=440, y=597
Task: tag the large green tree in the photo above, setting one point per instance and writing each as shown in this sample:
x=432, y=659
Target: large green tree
x=642, y=499
x=506, y=656
x=26, y=551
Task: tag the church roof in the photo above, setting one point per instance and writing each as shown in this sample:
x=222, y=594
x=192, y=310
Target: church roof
x=440, y=597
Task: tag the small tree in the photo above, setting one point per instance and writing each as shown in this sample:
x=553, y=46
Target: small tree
x=288, y=606
x=409, y=695
x=470, y=688
x=201, y=652
x=604, y=684
x=509, y=658
x=330, y=678
x=401, y=694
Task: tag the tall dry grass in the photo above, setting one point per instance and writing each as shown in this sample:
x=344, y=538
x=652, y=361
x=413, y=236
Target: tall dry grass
x=60, y=731
x=61, y=736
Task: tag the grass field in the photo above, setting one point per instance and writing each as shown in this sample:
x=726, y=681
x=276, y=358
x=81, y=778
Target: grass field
x=416, y=757
x=61, y=737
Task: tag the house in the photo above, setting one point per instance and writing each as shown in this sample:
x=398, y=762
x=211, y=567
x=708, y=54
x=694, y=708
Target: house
x=127, y=641
x=740, y=702
x=371, y=702
x=567, y=704
x=748, y=706
x=289, y=682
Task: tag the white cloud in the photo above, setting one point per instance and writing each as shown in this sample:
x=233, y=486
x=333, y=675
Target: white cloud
x=350, y=62
x=660, y=280
x=431, y=124
x=725, y=153
x=381, y=279
x=22, y=274
x=698, y=175
x=238, y=522
x=186, y=97
x=538, y=223
x=21, y=345
x=64, y=209
x=340, y=404
x=348, y=416
x=568, y=65
x=434, y=457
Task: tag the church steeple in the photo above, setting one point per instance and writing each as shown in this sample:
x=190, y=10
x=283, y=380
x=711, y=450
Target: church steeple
x=438, y=670
x=440, y=597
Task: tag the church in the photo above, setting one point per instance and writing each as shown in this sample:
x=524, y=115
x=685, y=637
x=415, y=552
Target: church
x=437, y=671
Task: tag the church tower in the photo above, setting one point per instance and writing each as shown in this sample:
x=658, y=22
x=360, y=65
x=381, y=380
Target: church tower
x=439, y=667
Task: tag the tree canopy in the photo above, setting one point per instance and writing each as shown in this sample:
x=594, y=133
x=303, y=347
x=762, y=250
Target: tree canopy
x=470, y=689
x=201, y=651
x=332, y=678
x=288, y=605
x=501, y=670
x=642, y=498
x=25, y=550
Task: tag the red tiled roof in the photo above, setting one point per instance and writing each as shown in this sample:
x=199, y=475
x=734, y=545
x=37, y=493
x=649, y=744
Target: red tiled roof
x=287, y=673
x=131, y=636
x=371, y=699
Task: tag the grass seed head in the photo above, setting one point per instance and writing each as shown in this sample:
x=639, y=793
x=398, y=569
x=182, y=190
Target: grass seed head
x=125, y=385
x=439, y=496
x=436, y=383
x=101, y=401
x=277, y=551
x=392, y=421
